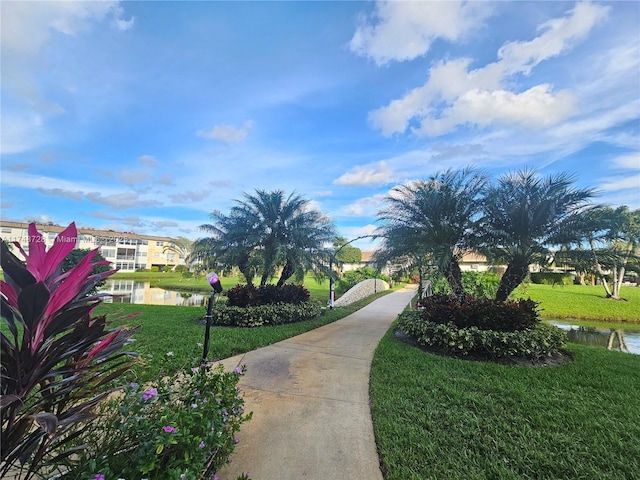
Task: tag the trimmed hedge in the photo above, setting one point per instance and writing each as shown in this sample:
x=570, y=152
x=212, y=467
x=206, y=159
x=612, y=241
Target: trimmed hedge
x=551, y=278
x=540, y=341
x=483, y=313
x=251, y=296
x=262, y=315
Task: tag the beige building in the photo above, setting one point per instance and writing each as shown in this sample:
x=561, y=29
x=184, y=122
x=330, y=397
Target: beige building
x=126, y=251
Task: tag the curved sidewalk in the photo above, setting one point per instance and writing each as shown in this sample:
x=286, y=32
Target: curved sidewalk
x=310, y=400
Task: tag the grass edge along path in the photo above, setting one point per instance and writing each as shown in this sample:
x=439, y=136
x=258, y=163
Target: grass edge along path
x=171, y=337
x=436, y=417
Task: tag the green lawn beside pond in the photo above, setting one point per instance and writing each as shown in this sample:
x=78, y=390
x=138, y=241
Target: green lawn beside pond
x=583, y=302
x=437, y=417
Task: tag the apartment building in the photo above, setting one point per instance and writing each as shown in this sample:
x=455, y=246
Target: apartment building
x=126, y=251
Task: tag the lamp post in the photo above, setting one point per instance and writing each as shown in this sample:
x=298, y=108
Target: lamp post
x=332, y=255
x=214, y=281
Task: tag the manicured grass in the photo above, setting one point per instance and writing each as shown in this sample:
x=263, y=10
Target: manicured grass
x=177, y=330
x=440, y=418
x=583, y=302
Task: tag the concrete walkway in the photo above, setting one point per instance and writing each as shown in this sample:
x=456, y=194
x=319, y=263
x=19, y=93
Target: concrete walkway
x=310, y=401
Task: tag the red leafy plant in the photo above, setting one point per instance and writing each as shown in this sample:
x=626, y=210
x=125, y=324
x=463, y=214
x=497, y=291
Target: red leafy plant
x=58, y=359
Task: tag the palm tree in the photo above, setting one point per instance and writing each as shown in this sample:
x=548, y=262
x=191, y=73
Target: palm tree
x=524, y=215
x=266, y=231
x=435, y=217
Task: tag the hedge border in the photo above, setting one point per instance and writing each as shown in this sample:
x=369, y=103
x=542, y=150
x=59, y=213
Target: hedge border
x=542, y=340
x=276, y=314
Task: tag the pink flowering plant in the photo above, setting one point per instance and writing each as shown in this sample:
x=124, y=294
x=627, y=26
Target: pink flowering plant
x=58, y=360
x=181, y=428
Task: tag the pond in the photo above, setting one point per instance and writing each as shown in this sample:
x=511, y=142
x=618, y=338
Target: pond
x=614, y=338
x=131, y=291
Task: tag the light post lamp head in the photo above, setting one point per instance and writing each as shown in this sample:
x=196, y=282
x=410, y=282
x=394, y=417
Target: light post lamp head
x=214, y=281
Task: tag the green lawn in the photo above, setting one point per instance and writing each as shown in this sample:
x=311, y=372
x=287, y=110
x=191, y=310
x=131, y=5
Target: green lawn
x=583, y=302
x=176, y=330
x=441, y=418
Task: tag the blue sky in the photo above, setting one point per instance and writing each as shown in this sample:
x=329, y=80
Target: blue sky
x=147, y=116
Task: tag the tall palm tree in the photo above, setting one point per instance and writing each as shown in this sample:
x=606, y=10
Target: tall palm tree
x=435, y=216
x=524, y=215
x=267, y=231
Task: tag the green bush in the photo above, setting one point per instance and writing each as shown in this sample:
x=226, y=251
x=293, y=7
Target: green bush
x=155, y=268
x=540, y=341
x=483, y=313
x=475, y=284
x=353, y=277
x=551, y=278
x=250, y=296
x=181, y=269
x=278, y=314
x=179, y=428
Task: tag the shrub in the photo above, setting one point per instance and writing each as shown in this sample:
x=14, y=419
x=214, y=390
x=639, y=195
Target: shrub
x=540, y=341
x=475, y=284
x=278, y=314
x=176, y=429
x=251, y=296
x=58, y=360
x=181, y=269
x=551, y=278
x=155, y=268
x=483, y=313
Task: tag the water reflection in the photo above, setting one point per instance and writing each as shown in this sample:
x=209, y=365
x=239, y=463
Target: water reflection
x=613, y=338
x=131, y=291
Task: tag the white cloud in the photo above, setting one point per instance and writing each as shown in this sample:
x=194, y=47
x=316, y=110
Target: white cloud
x=120, y=200
x=630, y=161
x=26, y=29
x=558, y=36
x=405, y=30
x=367, y=206
x=377, y=174
x=190, y=196
x=59, y=192
x=621, y=183
x=147, y=160
x=27, y=26
x=133, y=177
x=454, y=95
x=227, y=133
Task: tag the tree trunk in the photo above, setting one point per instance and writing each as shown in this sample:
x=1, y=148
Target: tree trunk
x=453, y=274
x=514, y=276
x=245, y=269
x=287, y=271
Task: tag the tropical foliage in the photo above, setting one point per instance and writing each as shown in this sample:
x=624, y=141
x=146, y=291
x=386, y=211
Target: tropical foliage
x=434, y=218
x=58, y=359
x=267, y=232
x=526, y=214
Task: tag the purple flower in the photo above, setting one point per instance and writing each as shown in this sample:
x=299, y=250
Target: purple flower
x=133, y=384
x=169, y=429
x=150, y=393
x=235, y=439
x=98, y=476
x=201, y=445
x=238, y=370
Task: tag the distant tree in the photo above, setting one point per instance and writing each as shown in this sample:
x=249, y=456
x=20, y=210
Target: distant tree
x=180, y=246
x=347, y=253
x=613, y=237
x=77, y=254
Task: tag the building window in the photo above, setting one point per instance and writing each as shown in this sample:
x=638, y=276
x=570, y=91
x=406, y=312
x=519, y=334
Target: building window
x=159, y=244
